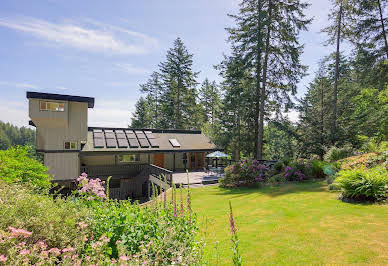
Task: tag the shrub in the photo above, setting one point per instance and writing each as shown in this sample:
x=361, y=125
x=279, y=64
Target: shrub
x=335, y=153
x=317, y=169
x=17, y=166
x=53, y=221
x=334, y=187
x=364, y=184
x=276, y=179
x=278, y=167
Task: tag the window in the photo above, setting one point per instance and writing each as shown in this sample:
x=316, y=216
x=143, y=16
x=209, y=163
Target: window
x=129, y=158
x=52, y=106
x=70, y=145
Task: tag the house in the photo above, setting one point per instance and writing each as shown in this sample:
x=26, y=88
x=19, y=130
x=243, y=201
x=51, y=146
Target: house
x=133, y=157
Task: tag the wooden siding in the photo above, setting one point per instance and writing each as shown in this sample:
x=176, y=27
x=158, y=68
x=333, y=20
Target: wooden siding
x=54, y=128
x=63, y=166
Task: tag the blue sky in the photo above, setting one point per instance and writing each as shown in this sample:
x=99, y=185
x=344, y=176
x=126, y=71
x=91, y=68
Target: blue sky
x=105, y=49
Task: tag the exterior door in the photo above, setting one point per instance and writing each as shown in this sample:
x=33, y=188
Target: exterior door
x=196, y=160
x=159, y=159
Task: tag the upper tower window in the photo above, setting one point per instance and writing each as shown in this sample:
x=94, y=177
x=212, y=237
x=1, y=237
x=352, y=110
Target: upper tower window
x=52, y=106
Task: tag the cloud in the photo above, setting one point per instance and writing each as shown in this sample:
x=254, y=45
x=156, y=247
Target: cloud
x=92, y=37
x=14, y=112
x=111, y=113
x=19, y=85
x=131, y=69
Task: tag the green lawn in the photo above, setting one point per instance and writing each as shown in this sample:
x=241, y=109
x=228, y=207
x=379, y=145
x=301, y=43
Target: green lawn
x=292, y=224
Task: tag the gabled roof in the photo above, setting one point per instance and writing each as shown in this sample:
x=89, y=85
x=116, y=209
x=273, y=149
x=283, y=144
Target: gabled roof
x=125, y=140
x=60, y=97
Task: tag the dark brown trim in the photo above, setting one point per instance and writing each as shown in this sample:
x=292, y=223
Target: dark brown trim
x=60, y=97
x=150, y=129
x=58, y=151
x=97, y=153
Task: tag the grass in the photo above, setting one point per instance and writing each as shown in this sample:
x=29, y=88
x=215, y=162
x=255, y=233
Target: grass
x=291, y=224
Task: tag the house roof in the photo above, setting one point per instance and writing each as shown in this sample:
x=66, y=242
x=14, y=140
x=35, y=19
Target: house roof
x=61, y=97
x=125, y=140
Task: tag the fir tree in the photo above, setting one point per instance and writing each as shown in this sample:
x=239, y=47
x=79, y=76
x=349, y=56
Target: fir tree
x=179, y=84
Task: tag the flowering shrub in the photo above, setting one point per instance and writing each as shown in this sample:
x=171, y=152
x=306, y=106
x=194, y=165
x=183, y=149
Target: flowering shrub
x=252, y=171
x=159, y=233
x=247, y=172
x=91, y=188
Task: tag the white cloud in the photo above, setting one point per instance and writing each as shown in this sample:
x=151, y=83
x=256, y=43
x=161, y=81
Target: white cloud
x=131, y=69
x=94, y=37
x=19, y=85
x=111, y=114
x=14, y=112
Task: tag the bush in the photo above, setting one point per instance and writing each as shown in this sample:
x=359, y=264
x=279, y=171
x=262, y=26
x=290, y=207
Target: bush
x=335, y=153
x=317, y=169
x=53, y=221
x=277, y=179
x=364, y=184
x=18, y=167
x=334, y=187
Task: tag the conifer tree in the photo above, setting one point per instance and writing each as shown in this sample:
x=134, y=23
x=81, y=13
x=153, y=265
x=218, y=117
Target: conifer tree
x=154, y=90
x=209, y=98
x=179, y=84
x=141, y=117
x=266, y=37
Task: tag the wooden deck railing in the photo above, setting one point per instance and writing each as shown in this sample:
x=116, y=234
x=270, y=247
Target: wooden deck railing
x=112, y=170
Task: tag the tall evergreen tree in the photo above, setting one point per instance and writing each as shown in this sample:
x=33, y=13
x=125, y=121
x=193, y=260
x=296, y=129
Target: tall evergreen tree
x=179, y=84
x=209, y=98
x=154, y=90
x=266, y=36
x=141, y=118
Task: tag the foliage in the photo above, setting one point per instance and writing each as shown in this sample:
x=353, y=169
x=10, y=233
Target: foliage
x=11, y=135
x=335, y=153
x=54, y=221
x=17, y=166
x=365, y=160
x=364, y=184
x=237, y=260
x=90, y=229
x=171, y=100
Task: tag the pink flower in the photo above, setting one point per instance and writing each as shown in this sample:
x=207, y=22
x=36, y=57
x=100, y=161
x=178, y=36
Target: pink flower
x=44, y=253
x=55, y=251
x=114, y=261
x=82, y=225
x=42, y=245
x=124, y=258
x=68, y=249
x=3, y=258
x=97, y=244
x=19, y=232
x=103, y=238
x=24, y=252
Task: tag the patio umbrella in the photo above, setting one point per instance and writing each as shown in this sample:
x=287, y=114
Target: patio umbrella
x=217, y=154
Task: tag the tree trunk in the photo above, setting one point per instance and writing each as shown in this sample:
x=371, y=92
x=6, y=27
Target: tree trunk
x=335, y=92
x=322, y=125
x=263, y=87
x=383, y=27
x=258, y=79
x=238, y=138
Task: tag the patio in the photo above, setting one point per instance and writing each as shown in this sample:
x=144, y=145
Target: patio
x=196, y=177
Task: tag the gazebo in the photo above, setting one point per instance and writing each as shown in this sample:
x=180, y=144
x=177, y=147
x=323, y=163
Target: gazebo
x=217, y=155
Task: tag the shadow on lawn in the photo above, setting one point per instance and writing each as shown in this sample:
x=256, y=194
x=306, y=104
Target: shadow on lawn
x=275, y=190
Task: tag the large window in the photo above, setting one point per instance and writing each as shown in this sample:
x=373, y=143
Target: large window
x=52, y=106
x=129, y=158
x=70, y=145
